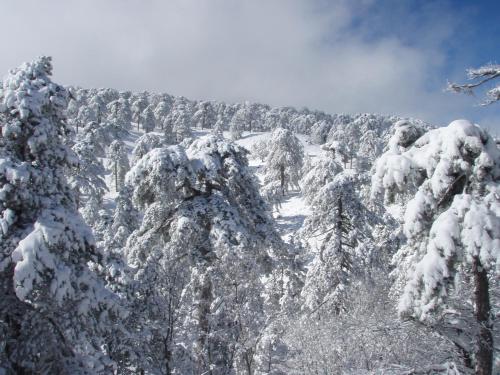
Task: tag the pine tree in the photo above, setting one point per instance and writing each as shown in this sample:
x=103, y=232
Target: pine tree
x=144, y=144
x=118, y=163
x=218, y=128
x=120, y=114
x=318, y=173
x=205, y=236
x=54, y=309
x=283, y=165
x=239, y=123
x=161, y=111
x=343, y=227
x=181, y=123
x=139, y=103
x=204, y=115
x=86, y=177
x=148, y=120
x=452, y=224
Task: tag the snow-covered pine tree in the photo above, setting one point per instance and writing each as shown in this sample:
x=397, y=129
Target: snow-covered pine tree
x=242, y=238
x=93, y=134
x=206, y=237
x=273, y=120
x=53, y=309
x=118, y=163
x=219, y=126
x=283, y=164
x=97, y=106
x=260, y=149
x=181, y=123
x=144, y=144
x=452, y=223
x=85, y=115
x=148, y=119
x=86, y=178
x=343, y=226
x=120, y=113
x=161, y=112
x=239, y=123
x=369, y=149
x=318, y=173
x=204, y=115
x=158, y=272
x=139, y=103
x=349, y=137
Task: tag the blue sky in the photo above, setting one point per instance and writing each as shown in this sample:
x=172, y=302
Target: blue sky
x=390, y=57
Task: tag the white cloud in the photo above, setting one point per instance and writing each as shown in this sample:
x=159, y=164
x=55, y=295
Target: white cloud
x=320, y=54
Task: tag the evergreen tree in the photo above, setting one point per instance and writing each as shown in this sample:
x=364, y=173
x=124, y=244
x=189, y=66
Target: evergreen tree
x=204, y=242
x=343, y=226
x=318, y=173
x=452, y=224
x=139, y=103
x=161, y=111
x=144, y=144
x=119, y=113
x=181, y=123
x=239, y=123
x=218, y=128
x=86, y=178
x=283, y=164
x=204, y=116
x=53, y=309
x=118, y=163
x=148, y=120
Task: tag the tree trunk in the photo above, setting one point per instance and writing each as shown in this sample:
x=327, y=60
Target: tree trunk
x=282, y=178
x=340, y=213
x=484, y=340
x=205, y=301
x=168, y=357
x=116, y=176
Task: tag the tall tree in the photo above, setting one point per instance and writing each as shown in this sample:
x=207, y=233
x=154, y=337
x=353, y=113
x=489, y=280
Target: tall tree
x=118, y=163
x=283, y=165
x=148, y=119
x=452, y=223
x=204, y=115
x=120, y=113
x=239, y=123
x=204, y=243
x=161, y=111
x=139, y=103
x=53, y=309
x=144, y=144
x=318, y=173
x=342, y=226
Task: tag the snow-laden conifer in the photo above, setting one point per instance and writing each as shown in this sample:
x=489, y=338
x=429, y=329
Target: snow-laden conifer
x=452, y=222
x=54, y=309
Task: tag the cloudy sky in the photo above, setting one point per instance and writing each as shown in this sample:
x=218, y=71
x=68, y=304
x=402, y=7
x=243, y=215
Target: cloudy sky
x=388, y=56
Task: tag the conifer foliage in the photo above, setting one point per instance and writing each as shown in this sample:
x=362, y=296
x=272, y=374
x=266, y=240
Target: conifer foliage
x=53, y=308
x=453, y=228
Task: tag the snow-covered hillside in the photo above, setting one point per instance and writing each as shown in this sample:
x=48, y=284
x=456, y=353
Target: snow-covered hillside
x=150, y=234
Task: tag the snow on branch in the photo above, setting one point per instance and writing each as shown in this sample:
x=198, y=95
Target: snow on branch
x=480, y=76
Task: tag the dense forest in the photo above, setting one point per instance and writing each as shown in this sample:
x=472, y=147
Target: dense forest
x=145, y=233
